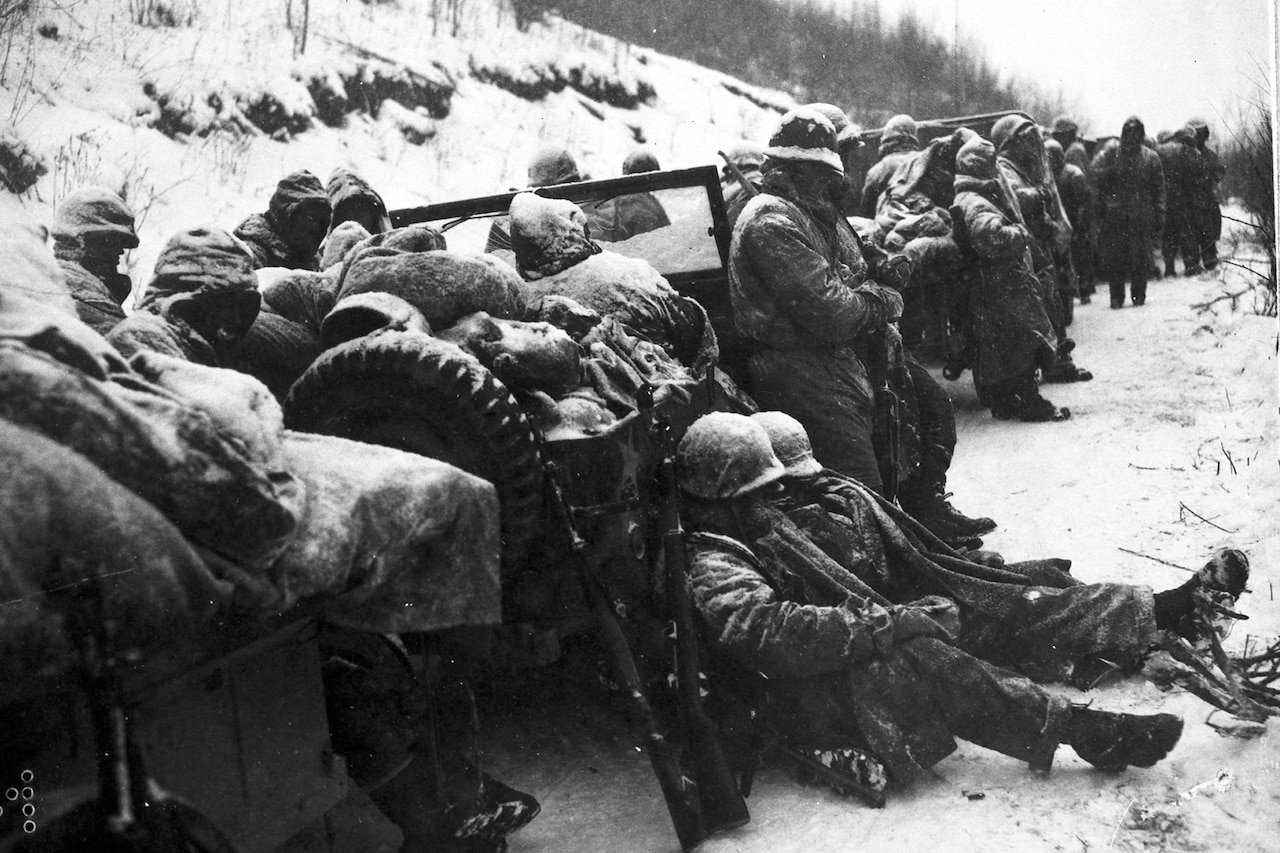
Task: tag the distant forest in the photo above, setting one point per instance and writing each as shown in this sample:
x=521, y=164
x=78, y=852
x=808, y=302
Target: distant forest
x=870, y=67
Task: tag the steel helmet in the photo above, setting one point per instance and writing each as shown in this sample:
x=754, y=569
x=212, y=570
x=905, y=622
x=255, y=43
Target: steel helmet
x=790, y=443
x=723, y=455
x=805, y=135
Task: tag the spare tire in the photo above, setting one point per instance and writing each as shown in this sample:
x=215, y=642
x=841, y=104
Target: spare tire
x=413, y=392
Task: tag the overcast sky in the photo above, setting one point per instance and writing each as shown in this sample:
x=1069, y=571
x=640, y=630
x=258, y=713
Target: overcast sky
x=1163, y=60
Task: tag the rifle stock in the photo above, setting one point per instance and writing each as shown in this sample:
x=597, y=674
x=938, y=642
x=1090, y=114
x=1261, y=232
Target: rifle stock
x=723, y=806
x=679, y=792
x=888, y=412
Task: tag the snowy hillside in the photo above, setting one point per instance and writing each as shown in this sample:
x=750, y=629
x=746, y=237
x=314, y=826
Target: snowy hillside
x=195, y=123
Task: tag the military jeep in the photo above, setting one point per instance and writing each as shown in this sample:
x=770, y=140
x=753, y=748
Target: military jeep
x=402, y=391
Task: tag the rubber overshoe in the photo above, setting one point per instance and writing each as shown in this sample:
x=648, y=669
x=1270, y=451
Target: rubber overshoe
x=486, y=820
x=1113, y=742
x=1117, y=303
x=948, y=523
x=856, y=765
x=1065, y=372
x=1193, y=271
x=1036, y=409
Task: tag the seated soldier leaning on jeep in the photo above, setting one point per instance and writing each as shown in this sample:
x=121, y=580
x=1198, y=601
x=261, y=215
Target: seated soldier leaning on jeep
x=848, y=667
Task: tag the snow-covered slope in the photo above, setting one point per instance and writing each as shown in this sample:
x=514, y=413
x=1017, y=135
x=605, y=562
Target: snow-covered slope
x=195, y=123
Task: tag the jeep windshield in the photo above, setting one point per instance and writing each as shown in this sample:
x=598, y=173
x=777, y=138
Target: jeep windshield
x=692, y=246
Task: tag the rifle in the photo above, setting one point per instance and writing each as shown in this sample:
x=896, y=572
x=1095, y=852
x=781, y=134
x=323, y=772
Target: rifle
x=746, y=185
x=679, y=792
x=888, y=411
x=723, y=806
x=130, y=811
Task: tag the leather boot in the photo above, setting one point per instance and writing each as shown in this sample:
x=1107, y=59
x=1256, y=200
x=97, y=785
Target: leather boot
x=930, y=507
x=1115, y=741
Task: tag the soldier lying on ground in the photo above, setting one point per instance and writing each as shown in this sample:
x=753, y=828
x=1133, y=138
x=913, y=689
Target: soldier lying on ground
x=846, y=667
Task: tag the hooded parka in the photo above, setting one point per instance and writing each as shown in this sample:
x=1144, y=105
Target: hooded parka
x=1185, y=177
x=268, y=234
x=1015, y=335
x=898, y=145
x=1131, y=210
x=194, y=269
x=801, y=289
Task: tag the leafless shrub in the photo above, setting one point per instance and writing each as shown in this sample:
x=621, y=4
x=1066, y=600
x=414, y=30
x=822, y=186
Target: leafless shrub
x=1249, y=158
x=162, y=13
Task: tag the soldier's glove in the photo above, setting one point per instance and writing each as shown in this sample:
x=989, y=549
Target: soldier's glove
x=940, y=609
x=892, y=271
x=879, y=625
x=994, y=559
x=932, y=616
x=889, y=299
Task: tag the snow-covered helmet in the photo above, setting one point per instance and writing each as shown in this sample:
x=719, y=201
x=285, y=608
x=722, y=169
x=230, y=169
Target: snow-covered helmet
x=847, y=135
x=552, y=165
x=901, y=126
x=790, y=443
x=805, y=136
x=1065, y=126
x=724, y=455
x=640, y=160
x=1007, y=129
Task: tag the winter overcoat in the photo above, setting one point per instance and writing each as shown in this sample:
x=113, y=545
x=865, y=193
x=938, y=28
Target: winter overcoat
x=96, y=306
x=800, y=289
x=893, y=153
x=836, y=675
x=1030, y=612
x=1185, y=178
x=264, y=233
x=1131, y=202
x=1015, y=335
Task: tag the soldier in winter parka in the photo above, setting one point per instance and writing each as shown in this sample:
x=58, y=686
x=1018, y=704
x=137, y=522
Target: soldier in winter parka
x=1208, y=215
x=1015, y=335
x=802, y=290
x=289, y=234
x=898, y=143
x=201, y=301
x=845, y=666
x=92, y=228
x=1131, y=210
x=1184, y=180
x=1024, y=166
x=353, y=199
x=1077, y=203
